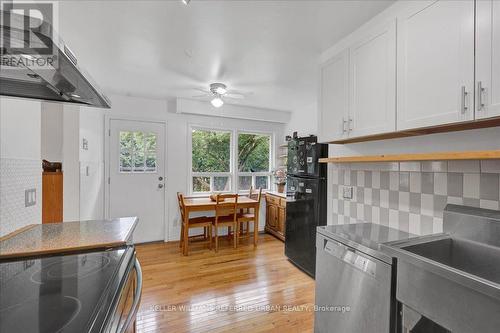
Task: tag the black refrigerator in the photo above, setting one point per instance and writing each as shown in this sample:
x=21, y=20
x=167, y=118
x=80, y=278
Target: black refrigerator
x=306, y=200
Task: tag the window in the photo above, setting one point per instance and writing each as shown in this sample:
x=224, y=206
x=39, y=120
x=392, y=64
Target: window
x=219, y=164
x=254, y=161
x=137, y=152
x=211, y=160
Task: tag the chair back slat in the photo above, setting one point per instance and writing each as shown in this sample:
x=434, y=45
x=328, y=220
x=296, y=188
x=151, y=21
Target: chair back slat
x=256, y=195
x=226, y=205
x=180, y=198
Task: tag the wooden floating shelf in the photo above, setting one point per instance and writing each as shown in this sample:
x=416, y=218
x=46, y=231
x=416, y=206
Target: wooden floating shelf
x=443, y=156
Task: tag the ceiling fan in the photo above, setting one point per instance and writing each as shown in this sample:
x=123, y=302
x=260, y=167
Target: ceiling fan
x=218, y=92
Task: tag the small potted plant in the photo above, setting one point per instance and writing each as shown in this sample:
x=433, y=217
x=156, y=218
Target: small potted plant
x=280, y=179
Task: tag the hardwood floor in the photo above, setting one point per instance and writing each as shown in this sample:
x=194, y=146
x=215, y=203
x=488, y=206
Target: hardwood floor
x=193, y=294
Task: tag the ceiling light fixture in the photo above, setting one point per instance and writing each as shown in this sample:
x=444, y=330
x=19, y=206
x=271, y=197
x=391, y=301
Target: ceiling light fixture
x=217, y=102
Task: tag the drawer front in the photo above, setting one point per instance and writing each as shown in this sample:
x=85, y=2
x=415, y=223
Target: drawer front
x=283, y=202
x=271, y=199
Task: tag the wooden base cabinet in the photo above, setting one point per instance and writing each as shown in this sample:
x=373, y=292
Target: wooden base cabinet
x=275, y=215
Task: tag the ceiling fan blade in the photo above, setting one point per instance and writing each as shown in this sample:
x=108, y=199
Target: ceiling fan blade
x=200, y=96
x=234, y=96
x=203, y=90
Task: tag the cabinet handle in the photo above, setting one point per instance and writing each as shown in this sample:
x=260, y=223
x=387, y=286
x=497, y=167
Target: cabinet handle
x=464, y=100
x=480, y=91
x=350, y=124
x=344, y=122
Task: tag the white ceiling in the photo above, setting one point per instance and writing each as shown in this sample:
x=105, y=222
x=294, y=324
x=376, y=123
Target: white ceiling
x=164, y=49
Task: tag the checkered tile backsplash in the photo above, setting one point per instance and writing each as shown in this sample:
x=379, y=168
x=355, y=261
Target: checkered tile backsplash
x=411, y=196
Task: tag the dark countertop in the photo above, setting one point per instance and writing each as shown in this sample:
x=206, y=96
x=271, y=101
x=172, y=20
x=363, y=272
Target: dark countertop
x=365, y=237
x=52, y=238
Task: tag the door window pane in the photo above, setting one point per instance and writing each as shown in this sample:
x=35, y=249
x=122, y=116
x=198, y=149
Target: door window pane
x=244, y=182
x=211, y=151
x=137, y=151
x=201, y=184
x=262, y=182
x=221, y=184
x=253, y=152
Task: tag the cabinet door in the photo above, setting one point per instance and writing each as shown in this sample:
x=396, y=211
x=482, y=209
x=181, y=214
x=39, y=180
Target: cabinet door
x=487, y=58
x=272, y=216
x=334, y=98
x=281, y=220
x=435, y=63
x=373, y=82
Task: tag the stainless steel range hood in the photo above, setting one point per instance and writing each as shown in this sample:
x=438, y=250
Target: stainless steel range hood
x=28, y=71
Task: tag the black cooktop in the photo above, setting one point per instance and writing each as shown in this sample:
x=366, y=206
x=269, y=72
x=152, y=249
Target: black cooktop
x=67, y=293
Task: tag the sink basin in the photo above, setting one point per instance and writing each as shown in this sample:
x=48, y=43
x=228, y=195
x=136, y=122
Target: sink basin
x=477, y=259
x=453, y=278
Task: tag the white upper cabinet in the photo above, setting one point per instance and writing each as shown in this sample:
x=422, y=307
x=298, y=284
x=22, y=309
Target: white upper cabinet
x=487, y=58
x=334, y=98
x=435, y=63
x=372, y=73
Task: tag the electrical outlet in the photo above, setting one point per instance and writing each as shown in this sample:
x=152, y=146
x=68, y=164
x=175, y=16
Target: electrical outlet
x=30, y=197
x=347, y=192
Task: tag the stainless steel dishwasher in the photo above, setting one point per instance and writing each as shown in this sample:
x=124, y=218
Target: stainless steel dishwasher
x=354, y=280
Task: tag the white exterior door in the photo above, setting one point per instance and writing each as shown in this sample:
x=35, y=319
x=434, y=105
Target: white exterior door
x=487, y=58
x=435, y=63
x=334, y=98
x=137, y=176
x=373, y=82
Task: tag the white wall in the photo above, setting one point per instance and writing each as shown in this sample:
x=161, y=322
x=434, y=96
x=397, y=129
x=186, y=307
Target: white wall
x=71, y=163
x=52, y=131
x=92, y=163
x=20, y=163
x=177, y=143
x=305, y=122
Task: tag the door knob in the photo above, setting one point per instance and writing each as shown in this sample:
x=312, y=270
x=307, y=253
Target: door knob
x=160, y=185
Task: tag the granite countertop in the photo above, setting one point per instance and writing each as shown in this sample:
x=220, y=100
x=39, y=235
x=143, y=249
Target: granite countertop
x=67, y=237
x=282, y=195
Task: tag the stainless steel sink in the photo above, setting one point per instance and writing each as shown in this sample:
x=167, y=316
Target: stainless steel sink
x=481, y=261
x=453, y=278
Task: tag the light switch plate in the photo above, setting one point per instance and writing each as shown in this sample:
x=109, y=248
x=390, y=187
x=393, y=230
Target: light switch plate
x=30, y=197
x=347, y=192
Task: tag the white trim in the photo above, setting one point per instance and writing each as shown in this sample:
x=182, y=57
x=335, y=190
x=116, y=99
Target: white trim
x=107, y=166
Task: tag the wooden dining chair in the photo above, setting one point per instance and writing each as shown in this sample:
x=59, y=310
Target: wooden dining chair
x=193, y=222
x=243, y=227
x=226, y=216
x=250, y=216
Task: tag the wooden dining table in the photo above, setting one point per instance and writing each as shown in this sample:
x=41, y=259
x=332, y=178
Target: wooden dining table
x=195, y=204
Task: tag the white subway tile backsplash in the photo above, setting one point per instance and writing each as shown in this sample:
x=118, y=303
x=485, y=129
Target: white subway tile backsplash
x=17, y=175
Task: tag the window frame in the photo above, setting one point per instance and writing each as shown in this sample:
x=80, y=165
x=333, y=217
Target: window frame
x=233, y=173
x=193, y=174
x=255, y=174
